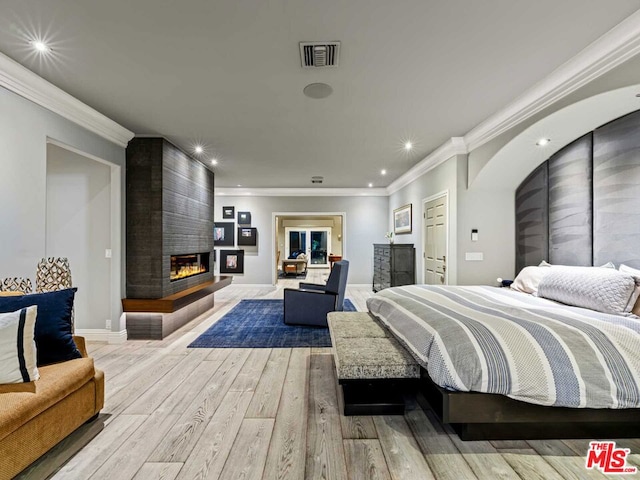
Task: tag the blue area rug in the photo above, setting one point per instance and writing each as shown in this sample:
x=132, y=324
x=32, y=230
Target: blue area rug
x=260, y=324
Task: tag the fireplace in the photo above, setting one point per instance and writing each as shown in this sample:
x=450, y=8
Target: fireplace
x=184, y=266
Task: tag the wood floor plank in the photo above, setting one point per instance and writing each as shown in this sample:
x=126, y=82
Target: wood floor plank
x=483, y=458
x=365, y=460
x=135, y=450
x=564, y=460
x=287, y=452
x=325, y=449
x=248, y=378
x=158, y=471
x=529, y=465
x=353, y=426
x=90, y=458
x=266, y=399
x=181, y=398
x=249, y=452
x=180, y=441
x=401, y=451
x=150, y=400
x=441, y=454
x=210, y=453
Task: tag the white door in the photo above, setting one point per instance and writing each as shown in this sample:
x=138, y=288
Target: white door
x=315, y=242
x=435, y=241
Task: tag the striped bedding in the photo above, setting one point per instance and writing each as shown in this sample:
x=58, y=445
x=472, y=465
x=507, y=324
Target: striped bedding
x=497, y=340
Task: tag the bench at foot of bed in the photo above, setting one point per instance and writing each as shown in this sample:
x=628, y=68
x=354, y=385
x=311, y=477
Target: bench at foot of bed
x=373, y=369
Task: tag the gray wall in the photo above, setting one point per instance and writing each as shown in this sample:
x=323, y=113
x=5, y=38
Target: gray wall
x=78, y=227
x=24, y=128
x=488, y=211
x=365, y=224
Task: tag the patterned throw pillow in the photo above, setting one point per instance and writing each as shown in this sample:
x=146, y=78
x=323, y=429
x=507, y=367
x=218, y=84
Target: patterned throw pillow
x=17, y=346
x=602, y=289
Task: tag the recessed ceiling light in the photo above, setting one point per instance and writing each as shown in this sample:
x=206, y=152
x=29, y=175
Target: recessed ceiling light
x=221, y=193
x=214, y=161
x=370, y=185
x=383, y=172
x=40, y=46
x=542, y=142
x=198, y=149
x=408, y=146
x=239, y=185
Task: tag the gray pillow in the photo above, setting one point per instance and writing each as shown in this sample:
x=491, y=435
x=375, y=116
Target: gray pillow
x=602, y=289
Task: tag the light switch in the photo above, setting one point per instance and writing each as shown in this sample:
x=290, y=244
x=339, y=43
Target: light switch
x=474, y=235
x=474, y=256
x=107, y=253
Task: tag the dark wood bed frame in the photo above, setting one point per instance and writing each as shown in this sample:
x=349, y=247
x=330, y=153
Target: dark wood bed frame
x=485, y=416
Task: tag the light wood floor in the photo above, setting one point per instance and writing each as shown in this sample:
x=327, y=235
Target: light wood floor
x=178, y=413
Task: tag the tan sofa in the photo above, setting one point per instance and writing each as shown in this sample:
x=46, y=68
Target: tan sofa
x=35, y=416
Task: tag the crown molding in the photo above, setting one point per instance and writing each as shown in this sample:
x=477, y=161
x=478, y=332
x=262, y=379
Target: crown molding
x=613, y=48
x=22, y=81
x=453, y=146
x=301, y=192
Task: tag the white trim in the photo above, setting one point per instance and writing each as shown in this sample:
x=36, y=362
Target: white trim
x=612, y=49
x=102, y=335
x=302, y=192
x=444, y=193
x=274, y=228
x=453, y=146
x=22, y=81
x=254, y=285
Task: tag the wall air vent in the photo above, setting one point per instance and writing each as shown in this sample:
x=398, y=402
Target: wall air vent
x=319, y=54
x=317, y=179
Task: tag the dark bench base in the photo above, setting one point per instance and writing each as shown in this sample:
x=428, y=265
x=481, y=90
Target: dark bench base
x=376, y=397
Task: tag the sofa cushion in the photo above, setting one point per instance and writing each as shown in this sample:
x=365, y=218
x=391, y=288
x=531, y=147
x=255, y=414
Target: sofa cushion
x=21, y=402
x=53, y=325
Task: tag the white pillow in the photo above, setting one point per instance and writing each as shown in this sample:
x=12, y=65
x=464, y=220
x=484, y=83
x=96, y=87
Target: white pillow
x=529, y=278
x=601, y=289
x=18, y=362
x=634, y=301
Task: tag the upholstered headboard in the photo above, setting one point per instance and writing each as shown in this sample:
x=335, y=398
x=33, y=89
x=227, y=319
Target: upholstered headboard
x=582, y=206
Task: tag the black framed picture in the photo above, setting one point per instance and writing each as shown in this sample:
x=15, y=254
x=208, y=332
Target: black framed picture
x=223, y=234
x=247, y=236
x=228, y=212
x=244, y=218
x=231, y=261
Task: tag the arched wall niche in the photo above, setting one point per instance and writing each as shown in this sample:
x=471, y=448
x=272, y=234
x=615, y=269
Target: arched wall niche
x=582, y=205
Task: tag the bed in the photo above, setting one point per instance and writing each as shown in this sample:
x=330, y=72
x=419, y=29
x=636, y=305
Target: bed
x=499, y=363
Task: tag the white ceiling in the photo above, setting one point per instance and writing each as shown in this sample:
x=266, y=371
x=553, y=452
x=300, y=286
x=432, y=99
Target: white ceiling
x=227, y=73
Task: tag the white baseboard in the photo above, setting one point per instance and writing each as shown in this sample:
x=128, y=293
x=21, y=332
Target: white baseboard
x=102, y=335
x=359, y=285
x=253, y=285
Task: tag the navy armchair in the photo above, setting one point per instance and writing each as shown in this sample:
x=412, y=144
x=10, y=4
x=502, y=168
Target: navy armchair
x=310, y=304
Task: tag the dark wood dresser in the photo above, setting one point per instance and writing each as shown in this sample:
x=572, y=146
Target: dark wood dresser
x=393, y=265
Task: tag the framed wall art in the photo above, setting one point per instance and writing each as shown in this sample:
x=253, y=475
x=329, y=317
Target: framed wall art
x=244, y=218
x=402, y=220
x=247, y=236
x=231, y=261
x=223, y=234
x=228, y=212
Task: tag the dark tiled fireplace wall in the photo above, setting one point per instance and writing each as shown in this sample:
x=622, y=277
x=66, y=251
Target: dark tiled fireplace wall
x=169, y=200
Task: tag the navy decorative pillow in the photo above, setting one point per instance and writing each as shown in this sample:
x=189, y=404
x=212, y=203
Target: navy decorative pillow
x=54, y=341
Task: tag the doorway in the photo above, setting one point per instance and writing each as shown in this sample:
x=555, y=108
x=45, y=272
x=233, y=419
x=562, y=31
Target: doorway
x=320, y=235
x=82, y=218
x=435, y=234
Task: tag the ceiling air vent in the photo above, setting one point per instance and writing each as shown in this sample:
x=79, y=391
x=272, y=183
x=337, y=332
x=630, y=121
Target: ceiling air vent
x=319, y=54
x=317, y=179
